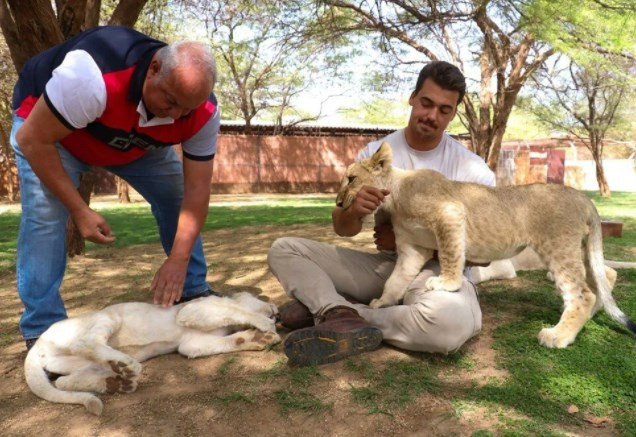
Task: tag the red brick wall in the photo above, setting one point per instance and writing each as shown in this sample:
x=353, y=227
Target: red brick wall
x=282, y=163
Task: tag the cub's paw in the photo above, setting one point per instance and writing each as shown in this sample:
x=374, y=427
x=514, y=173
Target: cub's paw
x=441, y=283
x=257, y=340
x=554, y=338
x=266, y=338
x=119, y=384
x=127, y=370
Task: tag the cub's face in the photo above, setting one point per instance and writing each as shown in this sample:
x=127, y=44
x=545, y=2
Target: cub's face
x=371, y=172
x=357, y=175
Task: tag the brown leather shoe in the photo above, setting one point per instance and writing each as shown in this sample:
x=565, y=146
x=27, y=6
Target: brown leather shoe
x=340, y=333
x=295, y=315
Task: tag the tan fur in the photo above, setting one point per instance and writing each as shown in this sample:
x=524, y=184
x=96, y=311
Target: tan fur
x=483, y=224
x=100, y=352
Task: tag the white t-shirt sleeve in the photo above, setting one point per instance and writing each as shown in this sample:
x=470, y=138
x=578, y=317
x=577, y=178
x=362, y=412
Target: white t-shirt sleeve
x=477, y=171
x=368, y=151
x=76, y=92
x=202, y=145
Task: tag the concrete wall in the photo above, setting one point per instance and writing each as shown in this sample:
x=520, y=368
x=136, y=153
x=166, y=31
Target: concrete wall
x=620, y=174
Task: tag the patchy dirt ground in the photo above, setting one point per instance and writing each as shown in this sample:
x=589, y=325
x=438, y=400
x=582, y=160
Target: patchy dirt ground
x=177, y=396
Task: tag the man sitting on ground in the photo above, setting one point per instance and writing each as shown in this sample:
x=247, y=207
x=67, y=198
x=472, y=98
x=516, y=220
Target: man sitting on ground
x=331, y=285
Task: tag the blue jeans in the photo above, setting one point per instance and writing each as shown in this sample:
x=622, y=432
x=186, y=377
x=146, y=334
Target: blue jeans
x=41, y=255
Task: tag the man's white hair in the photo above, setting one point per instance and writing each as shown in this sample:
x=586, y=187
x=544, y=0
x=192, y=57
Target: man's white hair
x=187, y=54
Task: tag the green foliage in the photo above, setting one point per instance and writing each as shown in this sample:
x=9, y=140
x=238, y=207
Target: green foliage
x=268, y=53
x=523, y=125
x=580, y=99
x=596, y=373
x=584, y=30
x=379, y=111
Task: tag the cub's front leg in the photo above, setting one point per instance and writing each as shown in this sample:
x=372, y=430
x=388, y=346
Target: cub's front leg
x=410, y=260
x=450, y=231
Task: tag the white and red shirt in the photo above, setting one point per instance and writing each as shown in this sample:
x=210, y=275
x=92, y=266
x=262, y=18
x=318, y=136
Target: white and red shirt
x=93, y=84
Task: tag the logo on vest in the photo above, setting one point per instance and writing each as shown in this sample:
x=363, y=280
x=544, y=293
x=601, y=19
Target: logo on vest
x=125, y=143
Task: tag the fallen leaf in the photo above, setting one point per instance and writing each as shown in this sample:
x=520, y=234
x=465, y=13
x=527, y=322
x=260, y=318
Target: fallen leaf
x=596, y=421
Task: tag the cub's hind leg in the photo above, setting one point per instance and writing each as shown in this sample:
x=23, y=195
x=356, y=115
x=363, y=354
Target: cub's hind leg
x=97, y=378
x=93, y=345
x=579, y=300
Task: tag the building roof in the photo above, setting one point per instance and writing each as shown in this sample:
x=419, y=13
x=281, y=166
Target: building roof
x=238, y=128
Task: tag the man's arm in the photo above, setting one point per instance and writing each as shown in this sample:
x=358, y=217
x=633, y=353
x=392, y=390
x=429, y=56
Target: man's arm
x=167, y=284
x=37, y=137
x=348, y=222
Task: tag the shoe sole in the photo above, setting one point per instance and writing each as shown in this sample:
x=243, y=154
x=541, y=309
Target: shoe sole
x=310, y=347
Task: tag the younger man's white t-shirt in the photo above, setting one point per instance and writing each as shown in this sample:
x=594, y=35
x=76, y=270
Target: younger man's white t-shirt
x=450, y=158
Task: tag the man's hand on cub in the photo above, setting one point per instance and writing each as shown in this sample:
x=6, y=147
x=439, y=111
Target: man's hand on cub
x=367, y=201
x=383, y=237
x=167, y=284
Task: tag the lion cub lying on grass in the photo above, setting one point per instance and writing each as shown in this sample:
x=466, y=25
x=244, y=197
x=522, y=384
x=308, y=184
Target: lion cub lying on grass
x=100, y=352
x=483, y=224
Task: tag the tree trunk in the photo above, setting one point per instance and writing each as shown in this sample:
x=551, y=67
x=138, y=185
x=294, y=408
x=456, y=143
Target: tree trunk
x=127, y=12
x=603, y=186
x=32, y=29
x=123, y=191
x=596, y=147
x=71, y=16
x=91, y=17
x=6, y=165
x=75, y=243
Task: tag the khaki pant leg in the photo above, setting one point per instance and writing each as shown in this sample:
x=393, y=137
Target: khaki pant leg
x=316, y=273
x=429, y=321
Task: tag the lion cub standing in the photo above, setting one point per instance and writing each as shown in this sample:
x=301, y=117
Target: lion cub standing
x=483, y=224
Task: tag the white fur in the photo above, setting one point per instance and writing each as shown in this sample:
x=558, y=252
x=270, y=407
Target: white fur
x=101, y=351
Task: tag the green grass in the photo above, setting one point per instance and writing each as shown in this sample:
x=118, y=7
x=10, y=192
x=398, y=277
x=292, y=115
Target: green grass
x=596, y=373
x=134, y=223
x=392, y=385
x=621, y=206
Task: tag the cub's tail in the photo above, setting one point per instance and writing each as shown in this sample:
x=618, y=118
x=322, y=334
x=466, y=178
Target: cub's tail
x=597, y=266
x=39, y=383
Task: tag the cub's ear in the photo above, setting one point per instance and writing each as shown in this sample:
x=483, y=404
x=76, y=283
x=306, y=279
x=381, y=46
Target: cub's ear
x=383, y=157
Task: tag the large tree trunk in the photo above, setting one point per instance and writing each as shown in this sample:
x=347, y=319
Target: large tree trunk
x=127, y=12
x=91, y=16
x=6, y=165
x=30, y=27
x=71, y=16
